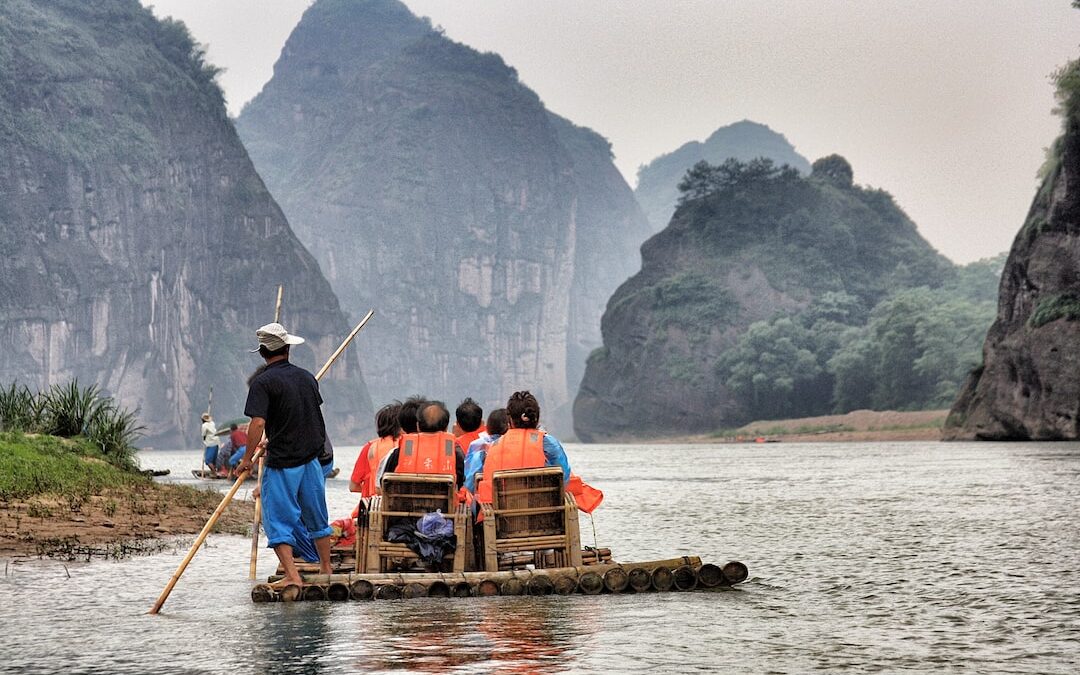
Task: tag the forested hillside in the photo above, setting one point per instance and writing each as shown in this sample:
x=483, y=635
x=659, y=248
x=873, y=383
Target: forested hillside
x=771, y=294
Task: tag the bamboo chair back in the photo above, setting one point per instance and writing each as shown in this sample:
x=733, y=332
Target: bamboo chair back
x=406, y=495
x=530, y=513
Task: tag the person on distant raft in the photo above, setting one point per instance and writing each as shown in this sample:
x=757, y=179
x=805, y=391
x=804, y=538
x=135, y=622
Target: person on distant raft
x=374, y=451
x=210, y=441
x=284, y=400
x=470, y=422
x=497, y=424
x=523, y=446
x=432, y=450
x=239, y=440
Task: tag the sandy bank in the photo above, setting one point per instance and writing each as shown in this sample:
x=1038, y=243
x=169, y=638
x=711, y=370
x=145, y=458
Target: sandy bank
x=117, y=523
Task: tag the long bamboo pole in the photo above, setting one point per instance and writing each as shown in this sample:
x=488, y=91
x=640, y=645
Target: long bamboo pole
x=256, y=522
x=239, y=481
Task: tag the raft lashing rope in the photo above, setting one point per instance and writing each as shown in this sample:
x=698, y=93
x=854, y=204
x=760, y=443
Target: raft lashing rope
x=678, y=574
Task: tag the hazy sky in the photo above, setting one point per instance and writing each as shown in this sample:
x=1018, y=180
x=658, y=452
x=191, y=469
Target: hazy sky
x=944, y=103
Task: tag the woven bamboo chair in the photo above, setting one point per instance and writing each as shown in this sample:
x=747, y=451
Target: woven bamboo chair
x=530, y=513
x=406, y=495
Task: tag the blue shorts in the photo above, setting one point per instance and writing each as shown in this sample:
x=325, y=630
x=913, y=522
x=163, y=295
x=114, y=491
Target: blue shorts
x=209, y=457
x=294, y=498
x=327, y=468
x=238, y=455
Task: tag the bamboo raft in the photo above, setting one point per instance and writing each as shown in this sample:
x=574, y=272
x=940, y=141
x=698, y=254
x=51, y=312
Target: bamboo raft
x=675, y=574
x=526, y=543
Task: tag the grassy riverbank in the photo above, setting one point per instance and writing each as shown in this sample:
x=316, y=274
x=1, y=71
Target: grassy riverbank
x=61, y=497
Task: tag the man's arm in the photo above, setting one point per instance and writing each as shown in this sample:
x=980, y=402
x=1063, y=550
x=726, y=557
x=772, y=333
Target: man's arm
x=255, y=435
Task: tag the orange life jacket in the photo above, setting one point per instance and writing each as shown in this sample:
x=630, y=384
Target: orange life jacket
x=427, y=453
x=466, y=438
x=516, y=449
x=378, y=449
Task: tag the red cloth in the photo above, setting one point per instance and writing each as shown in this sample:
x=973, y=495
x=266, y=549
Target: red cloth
x=238, y=438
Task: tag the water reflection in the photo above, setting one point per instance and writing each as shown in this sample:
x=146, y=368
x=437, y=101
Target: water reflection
x=526, y=635
x=428, y=636
x=296, y=634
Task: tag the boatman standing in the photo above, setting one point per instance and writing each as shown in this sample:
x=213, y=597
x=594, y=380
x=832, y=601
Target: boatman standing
x=284, y=400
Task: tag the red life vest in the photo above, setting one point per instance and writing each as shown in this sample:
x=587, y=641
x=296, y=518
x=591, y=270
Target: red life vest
x=466, y=438
x=378, y=449
x=427, y=453
x=586, y=496
x=516, y=449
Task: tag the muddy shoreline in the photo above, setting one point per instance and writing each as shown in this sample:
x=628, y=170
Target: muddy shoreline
x=118, y=523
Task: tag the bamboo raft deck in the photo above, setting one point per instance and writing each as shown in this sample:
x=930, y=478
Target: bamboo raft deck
x=675, y=574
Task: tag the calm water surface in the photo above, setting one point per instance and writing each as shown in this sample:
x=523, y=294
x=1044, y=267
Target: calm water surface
x=870, y=557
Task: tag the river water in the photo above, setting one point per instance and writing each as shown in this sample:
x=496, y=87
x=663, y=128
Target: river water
x=871, y=557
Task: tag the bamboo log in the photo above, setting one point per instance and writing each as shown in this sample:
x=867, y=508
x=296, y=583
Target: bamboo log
x=710, y=575
x=662, y=579
x=361, y=589
x=591, y=583
x=338, y=592
x=735, y=572
x=438, y=589
x=639, y=579
x=314, y=592
x=512, y=586
x=262, y=593
x=565, y=585
x=461, y=589
x=685, y=578
x=616, y=580
x=487, y=588
x=540, y=585
x=414, y=590
x=388, y=592
x=290, y=593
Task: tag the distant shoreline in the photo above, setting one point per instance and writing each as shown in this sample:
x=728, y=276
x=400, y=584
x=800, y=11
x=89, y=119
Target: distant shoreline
x=857, y=426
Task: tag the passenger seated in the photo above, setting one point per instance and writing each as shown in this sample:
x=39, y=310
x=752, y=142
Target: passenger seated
x=372, y=454
x=432, y=450
x=470, y=422
x=475, y=454
x=523, y=446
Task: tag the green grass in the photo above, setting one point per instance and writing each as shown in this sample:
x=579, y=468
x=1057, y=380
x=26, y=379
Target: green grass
x=34, y=465
x=1063, y=306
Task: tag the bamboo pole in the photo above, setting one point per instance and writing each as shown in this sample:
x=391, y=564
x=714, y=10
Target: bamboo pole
x=256, y=522
x=199, y=540
x=239, y=481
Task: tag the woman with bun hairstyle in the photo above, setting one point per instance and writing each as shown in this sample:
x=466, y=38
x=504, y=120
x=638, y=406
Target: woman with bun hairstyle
x=523, y=446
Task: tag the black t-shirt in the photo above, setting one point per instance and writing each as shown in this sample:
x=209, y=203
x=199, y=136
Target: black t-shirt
x=288, y=398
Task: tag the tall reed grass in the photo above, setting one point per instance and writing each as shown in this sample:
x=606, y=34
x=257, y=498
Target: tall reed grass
x=70, y=410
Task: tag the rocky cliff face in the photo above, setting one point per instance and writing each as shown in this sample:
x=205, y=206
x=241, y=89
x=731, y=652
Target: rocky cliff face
x=432, y=185
x=141, y=249
x=657, y=190
x=747, y=243
x=1027, y=387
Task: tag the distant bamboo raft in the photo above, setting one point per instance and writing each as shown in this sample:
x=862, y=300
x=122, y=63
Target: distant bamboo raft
x=675, y=574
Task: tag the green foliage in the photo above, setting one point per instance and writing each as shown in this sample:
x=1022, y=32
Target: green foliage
x=36, y=465
x=774, y=370
x=704, y=179
x=834, y=170
x=691, y=298
x=1063, y=306
x=914, y=353
x=69, y=411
